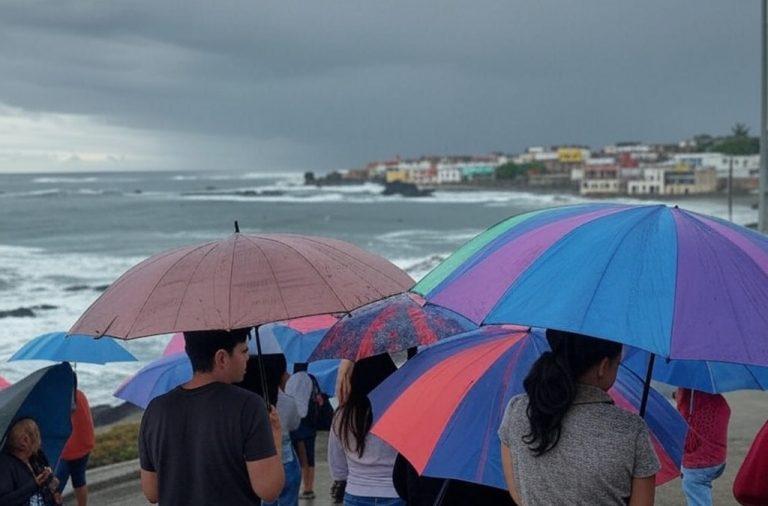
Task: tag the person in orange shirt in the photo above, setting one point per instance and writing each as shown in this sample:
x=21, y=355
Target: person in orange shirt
x=74, y=456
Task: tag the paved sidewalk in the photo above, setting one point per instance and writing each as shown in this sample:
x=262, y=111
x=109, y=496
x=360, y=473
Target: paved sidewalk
x=119, y=485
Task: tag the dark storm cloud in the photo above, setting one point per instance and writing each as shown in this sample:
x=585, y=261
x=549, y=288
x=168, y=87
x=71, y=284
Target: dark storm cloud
x=338, y=83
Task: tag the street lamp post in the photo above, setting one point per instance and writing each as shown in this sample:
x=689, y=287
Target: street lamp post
x=762, y=221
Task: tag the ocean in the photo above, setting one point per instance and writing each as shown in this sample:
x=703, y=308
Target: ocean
x=63, y=238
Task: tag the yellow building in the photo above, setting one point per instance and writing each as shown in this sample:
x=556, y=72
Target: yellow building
x=396, y=176
x=570, y=155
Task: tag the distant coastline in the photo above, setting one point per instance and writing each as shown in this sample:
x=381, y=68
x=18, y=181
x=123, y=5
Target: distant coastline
x=740, y=196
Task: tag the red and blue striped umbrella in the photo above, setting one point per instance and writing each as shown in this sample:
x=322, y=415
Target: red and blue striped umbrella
x=442, y=409
x=675, y=283
x=389, y=325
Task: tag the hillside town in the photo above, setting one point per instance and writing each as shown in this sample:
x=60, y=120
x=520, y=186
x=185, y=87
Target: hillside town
x=629, y=168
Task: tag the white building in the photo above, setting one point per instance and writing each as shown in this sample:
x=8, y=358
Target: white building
x=652, y=182
x=448, y=172
x=744, y=166
x=536, y=154
x=601, y=179
x=420, y=172
x=636, y=151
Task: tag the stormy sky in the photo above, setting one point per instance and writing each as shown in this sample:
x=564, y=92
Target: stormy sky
x=284, y=85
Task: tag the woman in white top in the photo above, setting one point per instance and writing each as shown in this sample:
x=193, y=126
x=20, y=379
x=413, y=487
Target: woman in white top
x=356, y=455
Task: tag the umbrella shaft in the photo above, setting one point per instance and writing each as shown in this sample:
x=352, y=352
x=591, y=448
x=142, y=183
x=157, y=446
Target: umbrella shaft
x=647, y=386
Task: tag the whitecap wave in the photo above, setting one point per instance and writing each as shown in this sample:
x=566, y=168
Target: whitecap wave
x=59, y=287
x=59, y=180
x=83, y=179
x=418, y=267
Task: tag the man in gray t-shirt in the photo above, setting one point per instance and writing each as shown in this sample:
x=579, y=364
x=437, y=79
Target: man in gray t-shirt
x=208, y=442
x=602, y=448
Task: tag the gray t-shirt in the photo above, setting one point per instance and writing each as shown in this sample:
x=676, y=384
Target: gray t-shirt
x=601, y=449
x=198, y=441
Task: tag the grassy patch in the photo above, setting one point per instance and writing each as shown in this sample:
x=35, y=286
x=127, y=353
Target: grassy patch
x=116, y=445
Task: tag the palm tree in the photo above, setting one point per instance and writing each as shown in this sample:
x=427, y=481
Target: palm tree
x=740, y=130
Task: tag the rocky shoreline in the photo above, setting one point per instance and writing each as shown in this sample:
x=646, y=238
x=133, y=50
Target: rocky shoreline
x=105, y=415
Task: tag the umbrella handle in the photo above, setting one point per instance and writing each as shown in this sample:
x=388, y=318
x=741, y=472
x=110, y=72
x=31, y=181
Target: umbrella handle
x=441, y=494
x=647, y=386
x=262, y=372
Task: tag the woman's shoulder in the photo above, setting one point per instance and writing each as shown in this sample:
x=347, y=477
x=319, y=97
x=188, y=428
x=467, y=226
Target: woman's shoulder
x=514, y=420
x=517, y=403
x=623, y=419
x=8, y=461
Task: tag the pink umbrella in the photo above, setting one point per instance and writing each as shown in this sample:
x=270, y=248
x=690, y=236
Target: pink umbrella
x=175, y=345
x=312, y=323
x=240, y=281
x=301, y=326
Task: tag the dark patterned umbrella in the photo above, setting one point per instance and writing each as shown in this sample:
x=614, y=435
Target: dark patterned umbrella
x=389, y=325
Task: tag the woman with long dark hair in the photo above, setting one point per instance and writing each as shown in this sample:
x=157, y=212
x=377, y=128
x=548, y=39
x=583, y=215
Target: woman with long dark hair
x=356, y=455
x=565, y=442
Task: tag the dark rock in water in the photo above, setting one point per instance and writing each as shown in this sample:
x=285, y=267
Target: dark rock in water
x=105, y=415
x=26, y=312
x=19, y=312
x=426, y=264
x=405, y=189
x=76, y=288
x=333, y=178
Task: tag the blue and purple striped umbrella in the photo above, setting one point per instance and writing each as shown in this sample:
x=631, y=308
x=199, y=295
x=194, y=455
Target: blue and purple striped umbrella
x=449, y=400
x=675, y=283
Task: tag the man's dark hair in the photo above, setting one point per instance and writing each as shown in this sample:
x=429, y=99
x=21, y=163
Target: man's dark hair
x=202, y=345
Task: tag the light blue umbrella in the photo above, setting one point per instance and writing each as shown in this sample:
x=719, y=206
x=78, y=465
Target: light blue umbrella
x=703, y=375
x=59, y=347
x=46, y=397
x=166, y=373
x=155, y=378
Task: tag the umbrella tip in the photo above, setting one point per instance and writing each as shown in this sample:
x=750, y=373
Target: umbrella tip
x=237, y=227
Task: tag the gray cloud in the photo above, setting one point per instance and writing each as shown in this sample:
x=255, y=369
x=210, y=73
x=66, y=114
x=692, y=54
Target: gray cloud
x=337, y=83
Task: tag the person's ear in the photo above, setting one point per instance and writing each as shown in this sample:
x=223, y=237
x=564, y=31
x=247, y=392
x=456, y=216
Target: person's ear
x=219, y=358
x=605, y=365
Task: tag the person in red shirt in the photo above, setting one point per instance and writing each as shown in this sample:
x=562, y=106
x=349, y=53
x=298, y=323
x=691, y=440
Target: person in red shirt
x=706, y=443
x=74, y=456
x=750, y=488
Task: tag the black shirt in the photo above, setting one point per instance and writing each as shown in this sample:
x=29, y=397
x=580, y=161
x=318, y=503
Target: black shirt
x=198, y=441
x=17, y=483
